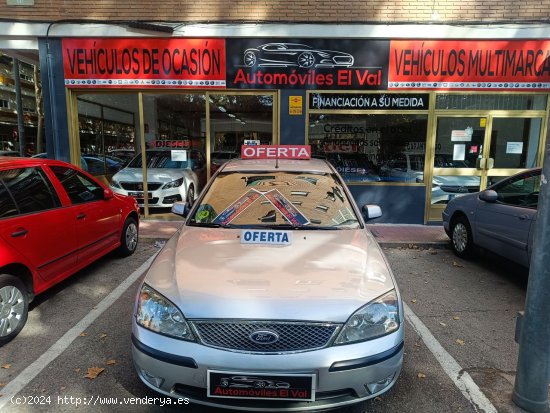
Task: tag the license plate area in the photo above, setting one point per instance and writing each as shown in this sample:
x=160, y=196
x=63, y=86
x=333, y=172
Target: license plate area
x=260, y=386
x=140, y=195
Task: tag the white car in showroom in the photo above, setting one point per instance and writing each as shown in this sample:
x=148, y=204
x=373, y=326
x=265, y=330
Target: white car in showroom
x=406, y=167
x=169, y=179
x=273, y=296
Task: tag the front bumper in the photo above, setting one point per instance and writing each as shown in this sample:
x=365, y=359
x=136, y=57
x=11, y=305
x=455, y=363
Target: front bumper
x=341, y=373
x=160, y=198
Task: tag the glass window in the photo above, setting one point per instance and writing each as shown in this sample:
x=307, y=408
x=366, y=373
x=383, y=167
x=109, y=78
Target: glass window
x=235, y=119
x=276, y=198
x=31, y=189
x=459, y=141
x=371, y=148
x=490, y=102
x=178, y=121
x=447, y=187
x=107, y=128
x=160, y=159
x=521, y=191
x=7, y=204
x=79, y=188
x=515, y=142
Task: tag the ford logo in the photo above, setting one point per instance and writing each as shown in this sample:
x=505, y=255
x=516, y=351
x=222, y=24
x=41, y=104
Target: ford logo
x=264, y=337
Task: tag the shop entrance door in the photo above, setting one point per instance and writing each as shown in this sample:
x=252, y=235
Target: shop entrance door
x=473, y=152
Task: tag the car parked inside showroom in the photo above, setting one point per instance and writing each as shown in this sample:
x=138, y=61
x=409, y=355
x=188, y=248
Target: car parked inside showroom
x=273, y=296
x=218, y=158
x=409, y=167
x=102, y=165
x=55, y=219
x=501, y=219
x=171, y=177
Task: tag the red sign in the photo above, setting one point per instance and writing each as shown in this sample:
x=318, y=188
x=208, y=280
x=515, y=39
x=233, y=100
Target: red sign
x=276, y=152
x=144, y=62
x=469, y=64
x=172, y=144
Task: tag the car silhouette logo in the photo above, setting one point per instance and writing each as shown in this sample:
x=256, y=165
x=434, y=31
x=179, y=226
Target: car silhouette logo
x=264, y=337
x=295, y=55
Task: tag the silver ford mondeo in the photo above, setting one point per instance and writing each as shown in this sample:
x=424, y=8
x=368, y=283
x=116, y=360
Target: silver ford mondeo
x=273, y=296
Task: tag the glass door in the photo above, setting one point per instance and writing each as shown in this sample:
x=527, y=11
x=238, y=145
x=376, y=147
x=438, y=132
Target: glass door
x=514, y=146
x=459, y=151
x=472, y=152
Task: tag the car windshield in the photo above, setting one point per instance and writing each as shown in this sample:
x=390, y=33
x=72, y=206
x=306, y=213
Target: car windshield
x=160, y=159
x=276, y=199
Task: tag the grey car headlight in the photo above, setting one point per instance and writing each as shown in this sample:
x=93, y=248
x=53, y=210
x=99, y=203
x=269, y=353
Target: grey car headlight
x=156, y=313
x=173, y=184
x=376, y=319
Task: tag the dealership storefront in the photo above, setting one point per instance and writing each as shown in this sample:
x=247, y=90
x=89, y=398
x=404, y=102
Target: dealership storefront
x=409, y=124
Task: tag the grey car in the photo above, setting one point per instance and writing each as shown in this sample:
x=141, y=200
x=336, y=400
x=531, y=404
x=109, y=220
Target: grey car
x=273, y=296
x=501, y=219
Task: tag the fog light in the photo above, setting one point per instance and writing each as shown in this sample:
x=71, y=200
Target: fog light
x=151, y=378
x=171, y=199
x=379, y=385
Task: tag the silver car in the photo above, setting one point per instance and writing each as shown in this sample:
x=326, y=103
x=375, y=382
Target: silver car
x=273, y=296
x=169, y=179
x=500, y=219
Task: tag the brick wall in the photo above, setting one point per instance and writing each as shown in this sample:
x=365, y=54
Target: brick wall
x=383, y=11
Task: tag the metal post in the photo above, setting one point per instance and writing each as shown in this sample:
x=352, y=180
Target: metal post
x=533, y=368
x=19, y=103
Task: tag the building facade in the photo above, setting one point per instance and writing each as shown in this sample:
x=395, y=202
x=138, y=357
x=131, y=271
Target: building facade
x=414, y=103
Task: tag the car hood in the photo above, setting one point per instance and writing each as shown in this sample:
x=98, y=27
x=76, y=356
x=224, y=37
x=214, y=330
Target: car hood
x=153, y=174
x=323, y=275
x=457, y=180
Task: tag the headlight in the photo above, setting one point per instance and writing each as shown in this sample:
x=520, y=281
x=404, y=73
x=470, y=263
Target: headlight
x=173, y=184
x=436, y=182
x=156, y=313
x=376, y=319
x=114, y=183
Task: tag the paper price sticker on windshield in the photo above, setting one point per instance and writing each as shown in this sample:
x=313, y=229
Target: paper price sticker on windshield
x=231, y=212
x=285, y=207
x=266, y=237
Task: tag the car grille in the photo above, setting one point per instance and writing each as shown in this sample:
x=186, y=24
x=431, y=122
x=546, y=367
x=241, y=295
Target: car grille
x=138, y=186
x=459, y=189
x=293, y=336
x=152, y=201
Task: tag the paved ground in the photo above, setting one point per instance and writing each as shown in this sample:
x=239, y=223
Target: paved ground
x=455, y=310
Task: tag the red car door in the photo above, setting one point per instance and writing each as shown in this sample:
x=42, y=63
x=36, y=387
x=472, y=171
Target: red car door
x=97, y=220
x=39, y=230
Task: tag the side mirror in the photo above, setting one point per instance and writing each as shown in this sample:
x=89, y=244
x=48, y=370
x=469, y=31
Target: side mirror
x=107, y=194
x=181, y=208
x=488, y=196
x=371, y=211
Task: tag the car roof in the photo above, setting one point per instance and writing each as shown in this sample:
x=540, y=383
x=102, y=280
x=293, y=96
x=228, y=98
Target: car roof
x=290, y=165
x=9, y=161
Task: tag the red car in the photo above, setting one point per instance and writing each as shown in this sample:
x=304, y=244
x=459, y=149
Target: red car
x=54, y=220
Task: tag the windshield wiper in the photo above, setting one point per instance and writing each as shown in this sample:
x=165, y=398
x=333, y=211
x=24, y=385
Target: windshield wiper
x=211, y=225
x=299, y=227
